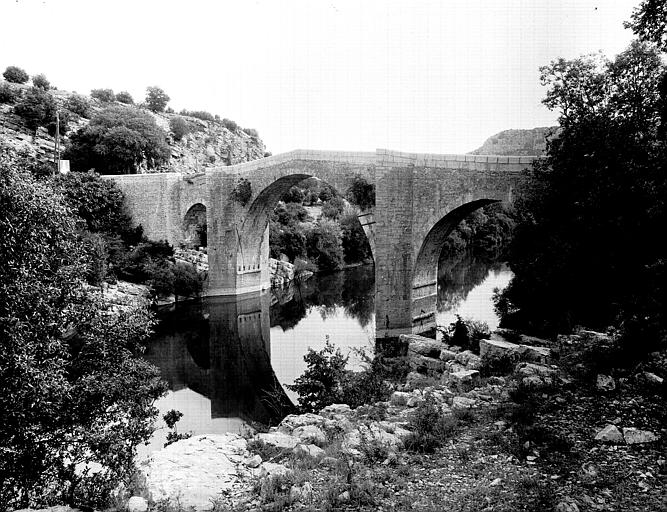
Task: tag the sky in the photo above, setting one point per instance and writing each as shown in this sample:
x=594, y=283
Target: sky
x=409, y=75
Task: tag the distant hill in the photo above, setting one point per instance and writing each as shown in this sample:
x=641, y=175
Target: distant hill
x=209, y=143
x=517, y=142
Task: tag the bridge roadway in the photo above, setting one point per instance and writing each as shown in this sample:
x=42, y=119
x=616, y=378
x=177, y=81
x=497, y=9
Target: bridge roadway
x=420, y=198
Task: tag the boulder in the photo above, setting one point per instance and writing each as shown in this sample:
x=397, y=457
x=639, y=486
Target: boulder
x=332, y=409
x=293, y=421
x=536, y=376
x=415, y=379
x=609, y=434
x=137, y=504
x=308, y=450
x=279, y=440
x=427, y=364
x=400, y=398
x=310, y=434
x=447, y=355
x=421, y=345
x=461, y=402
x=268, y=469
x=635, y=436
x=497, y=348
x=254, y=461
x=651, y=379
x=464, y=380
x=605, y=383
x=468, y=359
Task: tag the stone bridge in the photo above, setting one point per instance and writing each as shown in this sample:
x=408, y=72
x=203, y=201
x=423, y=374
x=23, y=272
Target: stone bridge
x=419, y=200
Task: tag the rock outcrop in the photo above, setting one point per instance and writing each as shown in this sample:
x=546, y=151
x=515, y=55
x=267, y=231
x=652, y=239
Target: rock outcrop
x=517, y=142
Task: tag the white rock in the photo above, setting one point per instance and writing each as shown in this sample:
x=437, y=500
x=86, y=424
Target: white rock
x=447, y=355
x=399, y=398
x=636, y=436
x=461, y=402
x=308, y=450
x=310, y=434
x=421, y=345
x=652, y=378
x=567, y=505
x=279, y=439
x=428, y=364
x=495, y=482
x=137, y=504
x=335, y=409
x=536, y=376
x=464, y=380
x=414, y=401
x=609, y=434
x=469, y=360
x=499, y=347
x=268, y=469
x=293, y=421
x=254, y=461
x=605, y=383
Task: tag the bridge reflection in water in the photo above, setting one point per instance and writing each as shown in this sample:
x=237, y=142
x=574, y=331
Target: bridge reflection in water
x=220, y=350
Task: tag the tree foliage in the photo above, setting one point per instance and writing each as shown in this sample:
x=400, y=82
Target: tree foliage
x=36, y=108
x=78, y=104
x=361, y=193
x=41, y=81
x=649, y=22
x=324, y=245
x=117, y=141
x=8, y=94
x=103, y=95
x=179, y=127
x=16, y=75
x=587, y=248
x=76, y=399
x=124, y=97
x=156, y=99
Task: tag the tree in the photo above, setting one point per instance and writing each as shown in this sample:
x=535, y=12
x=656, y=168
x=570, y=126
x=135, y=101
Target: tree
x=36, y=108
x=333, y=208
x=78, y=105
x=649, y=22
x=587, y=248
x=16, y=75
x=124, y=97
x=156, y=99
x=294, y=195
x=117, y=141
x=179, y=127
x=324, y=243
x=41, y=82
x=103, y=95
x=354, y=240
x=361, y=193
x=8, y=94
x=75, y=393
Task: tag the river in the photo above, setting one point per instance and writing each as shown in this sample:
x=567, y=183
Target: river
x=227, y=360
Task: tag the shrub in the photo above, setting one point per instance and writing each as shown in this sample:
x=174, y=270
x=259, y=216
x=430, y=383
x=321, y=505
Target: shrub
x=361, y=193
x=320, y=383
x=355, y=242
x=429, y=426
x=252, y=132
x=179, y=127
x=199, y=114
x=294, y=195
x=37, y=108
x=187, y=281
x=242, y=192
x=78, y=104
x=124, y=97
x=333, y=208
x=103, y=95
x=156, y=99
x=230, y=125
x=16, y=75
x=41, y=82
x=117, y=141
x=324, y=245
x=8, y=94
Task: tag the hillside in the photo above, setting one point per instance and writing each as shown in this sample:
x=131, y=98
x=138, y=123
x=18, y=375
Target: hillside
x=208, y=144
x=517, y=142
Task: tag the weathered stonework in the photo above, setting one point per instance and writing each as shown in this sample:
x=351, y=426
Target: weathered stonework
x=419, y=200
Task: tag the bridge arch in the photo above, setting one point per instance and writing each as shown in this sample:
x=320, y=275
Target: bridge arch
x=194, y=225
x=425, y=270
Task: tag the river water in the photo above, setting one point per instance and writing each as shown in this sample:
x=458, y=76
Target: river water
x=227, y=360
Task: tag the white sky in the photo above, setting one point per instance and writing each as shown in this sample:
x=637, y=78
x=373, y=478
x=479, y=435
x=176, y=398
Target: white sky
x=412, y=75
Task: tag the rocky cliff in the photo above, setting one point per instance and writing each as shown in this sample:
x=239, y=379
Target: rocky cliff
x=517, y=142
x=209, y=143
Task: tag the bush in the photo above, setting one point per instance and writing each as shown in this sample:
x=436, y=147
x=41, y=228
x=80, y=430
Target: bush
x=124, y=97
x=252, y=132
x=466, y=333
x=187, y=281
x=320, y=384
x=333, y=208
x=103, y=95
x=8, y=94
x=16, y=75
x=294, y=195
x=117, y=141
x=41, y=82
x=199, y=114
x=355, y=243
x=361, y=193
x=156, y=99
x=78, y=105
x=37, y=108
x=230, y=125
x=179, y=127
x=242, y=192
x=430, y=427
x=324, y=245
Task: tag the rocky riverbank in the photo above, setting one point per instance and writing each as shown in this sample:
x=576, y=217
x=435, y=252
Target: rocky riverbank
x=521, y=426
